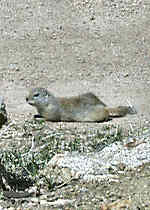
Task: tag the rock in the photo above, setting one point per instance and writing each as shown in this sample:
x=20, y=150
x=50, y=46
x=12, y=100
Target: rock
x=3, y=113
x=35, y=200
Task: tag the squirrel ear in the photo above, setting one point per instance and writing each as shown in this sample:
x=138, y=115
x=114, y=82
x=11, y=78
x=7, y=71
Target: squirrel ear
x=47, y=94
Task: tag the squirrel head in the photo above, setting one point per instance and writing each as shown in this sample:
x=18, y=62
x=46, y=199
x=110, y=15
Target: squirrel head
x=38, y=97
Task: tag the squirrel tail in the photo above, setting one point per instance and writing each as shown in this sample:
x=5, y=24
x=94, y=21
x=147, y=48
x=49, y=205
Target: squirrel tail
x=121, y=111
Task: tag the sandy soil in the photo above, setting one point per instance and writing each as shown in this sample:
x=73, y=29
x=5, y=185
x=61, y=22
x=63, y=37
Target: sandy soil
x=71, y=47
x=74, y=47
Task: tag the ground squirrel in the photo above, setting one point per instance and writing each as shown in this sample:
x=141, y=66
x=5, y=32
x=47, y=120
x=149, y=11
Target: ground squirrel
x=82, y=108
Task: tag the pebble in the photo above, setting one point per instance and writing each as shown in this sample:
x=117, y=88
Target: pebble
x=35, y=200
x=43, y=202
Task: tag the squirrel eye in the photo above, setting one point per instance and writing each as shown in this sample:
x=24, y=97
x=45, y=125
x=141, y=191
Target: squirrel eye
x=36, y=95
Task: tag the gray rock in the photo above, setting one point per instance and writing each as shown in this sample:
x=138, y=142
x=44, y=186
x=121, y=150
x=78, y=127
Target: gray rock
x=3, y=113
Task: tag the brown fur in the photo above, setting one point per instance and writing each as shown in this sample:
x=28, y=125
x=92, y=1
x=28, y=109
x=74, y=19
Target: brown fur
x=82, y=108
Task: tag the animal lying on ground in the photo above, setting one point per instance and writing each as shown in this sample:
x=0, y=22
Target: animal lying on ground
x=82, y=108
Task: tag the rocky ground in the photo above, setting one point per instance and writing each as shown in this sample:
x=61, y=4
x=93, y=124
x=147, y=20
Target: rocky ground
x=71, y=47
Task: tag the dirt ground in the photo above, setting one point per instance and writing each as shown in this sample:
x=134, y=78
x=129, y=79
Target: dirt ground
x=74, y=47
x=71, y=47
